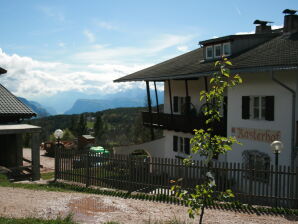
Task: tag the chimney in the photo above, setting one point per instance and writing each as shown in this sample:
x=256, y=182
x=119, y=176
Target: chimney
x=290, y=21
x=262, y=26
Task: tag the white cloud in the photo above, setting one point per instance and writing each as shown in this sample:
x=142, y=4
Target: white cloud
x=182, y=48
x=106, y=25
x=274, y=27
x=90, y=36
x=31, y=78
x=110, y=54
x=52, y=12
x=91, y=72
x=61, y=44
x=243, y=33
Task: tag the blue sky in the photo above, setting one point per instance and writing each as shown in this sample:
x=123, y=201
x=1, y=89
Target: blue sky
x=57, y=46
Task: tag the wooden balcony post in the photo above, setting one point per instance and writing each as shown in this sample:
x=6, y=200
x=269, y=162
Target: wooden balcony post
x=150, y=109
x=187, y=99
x=157, y=106
x=170, y=96
x=35, y=154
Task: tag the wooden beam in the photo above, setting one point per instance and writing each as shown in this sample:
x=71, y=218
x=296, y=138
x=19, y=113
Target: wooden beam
x=186, y=87
x=156, y=97
x=35, y=155
x=170, y=95
x=150, y=109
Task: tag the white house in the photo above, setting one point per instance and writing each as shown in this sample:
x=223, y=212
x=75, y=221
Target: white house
x=261, y=110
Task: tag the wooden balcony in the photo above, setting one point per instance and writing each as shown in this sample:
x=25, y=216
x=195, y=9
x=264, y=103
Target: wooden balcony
x=179, y=123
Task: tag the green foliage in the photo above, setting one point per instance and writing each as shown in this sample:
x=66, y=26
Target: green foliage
x=121, y=126
x=207, y=144
x=82, y=126
x=98, y=127
x=67, y=135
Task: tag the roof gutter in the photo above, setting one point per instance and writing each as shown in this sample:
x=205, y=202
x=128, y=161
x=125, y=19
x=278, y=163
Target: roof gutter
x=162, y=78
x=293, y=152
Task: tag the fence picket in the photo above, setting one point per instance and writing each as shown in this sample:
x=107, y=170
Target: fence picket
x=125, y=172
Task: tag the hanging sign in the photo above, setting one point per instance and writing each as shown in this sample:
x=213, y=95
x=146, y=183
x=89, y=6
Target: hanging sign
x=259, y=135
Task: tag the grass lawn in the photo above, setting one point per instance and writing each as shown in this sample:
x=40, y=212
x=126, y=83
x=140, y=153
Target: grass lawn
x=47, y=176
x=67, y=220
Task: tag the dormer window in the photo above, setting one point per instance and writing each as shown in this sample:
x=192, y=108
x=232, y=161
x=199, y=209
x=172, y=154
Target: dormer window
x=217, y=50
x=209, y=52
x=226, y=49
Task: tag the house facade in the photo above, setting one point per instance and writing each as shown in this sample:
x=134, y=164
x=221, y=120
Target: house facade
x=259, y=111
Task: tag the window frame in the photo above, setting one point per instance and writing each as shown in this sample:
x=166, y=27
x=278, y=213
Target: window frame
x=209, y=47
x=181, y=145
x=214, y=51
x=223, y=48
x=261, y=108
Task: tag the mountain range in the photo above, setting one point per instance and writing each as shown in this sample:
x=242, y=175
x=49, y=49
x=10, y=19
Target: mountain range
x=76, y=102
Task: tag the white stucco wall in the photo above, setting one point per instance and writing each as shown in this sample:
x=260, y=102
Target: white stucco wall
x=154, y=148
x=260, y=84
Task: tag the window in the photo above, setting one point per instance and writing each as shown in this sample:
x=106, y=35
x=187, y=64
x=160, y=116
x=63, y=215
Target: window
x=226, y=49
x=256, y=165
x=217, y=51
x=258, y=107
x=181, y=104
x=209, y=52
x=181, y=145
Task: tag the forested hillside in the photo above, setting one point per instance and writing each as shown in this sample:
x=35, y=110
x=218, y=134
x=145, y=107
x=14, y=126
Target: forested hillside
x=120, y=126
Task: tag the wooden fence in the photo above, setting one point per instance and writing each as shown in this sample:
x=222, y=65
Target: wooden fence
x=275, y=186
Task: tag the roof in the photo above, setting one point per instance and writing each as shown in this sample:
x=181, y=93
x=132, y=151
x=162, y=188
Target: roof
x=236, y=36
x=18, y=129
x=278, y=53
x=11, y=108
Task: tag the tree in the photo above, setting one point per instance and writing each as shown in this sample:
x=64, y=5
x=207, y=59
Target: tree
x=207, y=144
x=98, y=127
x=67, y=135
x=82, y=125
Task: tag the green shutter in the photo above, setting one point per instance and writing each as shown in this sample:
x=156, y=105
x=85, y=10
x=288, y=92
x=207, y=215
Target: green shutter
x=186, y=146
x=175, y=143
x=245, y=107
x=269, y=112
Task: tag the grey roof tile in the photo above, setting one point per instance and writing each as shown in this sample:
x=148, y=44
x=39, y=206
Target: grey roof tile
x=279, y=51
x=11, y=108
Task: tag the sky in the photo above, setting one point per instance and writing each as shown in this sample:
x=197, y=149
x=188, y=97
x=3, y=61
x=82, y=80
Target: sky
x=51, y=47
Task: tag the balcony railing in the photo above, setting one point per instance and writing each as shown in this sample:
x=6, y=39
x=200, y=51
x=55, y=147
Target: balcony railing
x=180, y=123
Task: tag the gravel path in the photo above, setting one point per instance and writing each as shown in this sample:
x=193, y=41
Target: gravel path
x=88, y=208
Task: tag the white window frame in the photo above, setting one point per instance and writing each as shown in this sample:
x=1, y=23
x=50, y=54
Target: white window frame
x=261, y=108
x=214, y=51
x=223, y=49
x=181, y=145
x=209, y=47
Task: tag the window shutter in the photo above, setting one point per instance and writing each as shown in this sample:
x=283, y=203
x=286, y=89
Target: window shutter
x=187, y=105
x=245, y=107
x=269, y=111
x=175, y=143
x=186, y=146
x=175, y=103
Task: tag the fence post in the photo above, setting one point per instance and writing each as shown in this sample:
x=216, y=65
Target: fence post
x=87, y=169
x=56, y=163
x=296, y=187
